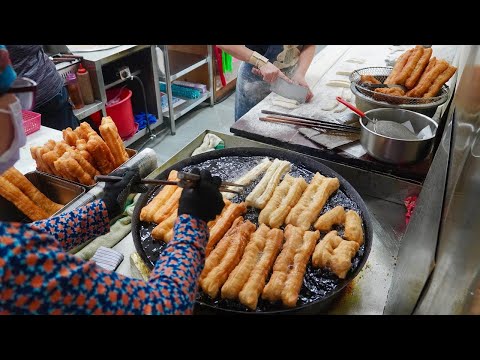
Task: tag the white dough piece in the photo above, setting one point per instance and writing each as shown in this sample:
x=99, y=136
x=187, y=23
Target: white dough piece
x=285, y=104
x=249, y=176
x=329, y=105
x=340, y=108
x=263, y=191
x=339, y=83
x=356, y=60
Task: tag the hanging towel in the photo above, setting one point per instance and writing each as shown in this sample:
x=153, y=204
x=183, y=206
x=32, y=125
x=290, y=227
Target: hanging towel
x=210, y=142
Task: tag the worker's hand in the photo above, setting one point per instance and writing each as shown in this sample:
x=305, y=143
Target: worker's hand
x=203, y=201
x=270, y=73
x=116, y=193
x=300, y=80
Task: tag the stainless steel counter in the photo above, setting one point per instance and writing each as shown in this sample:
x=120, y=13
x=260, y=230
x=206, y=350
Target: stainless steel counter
x=383, y=195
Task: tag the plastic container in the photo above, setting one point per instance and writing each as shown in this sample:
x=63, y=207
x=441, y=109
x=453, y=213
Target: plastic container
x=83, y=77
x=119, y=108
x=31, y=121
x=74, y=91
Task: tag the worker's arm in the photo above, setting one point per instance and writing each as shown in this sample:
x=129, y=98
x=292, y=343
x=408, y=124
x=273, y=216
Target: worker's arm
x=266, y=70
x=304, y=60
x=77, y=226
x=37, y=277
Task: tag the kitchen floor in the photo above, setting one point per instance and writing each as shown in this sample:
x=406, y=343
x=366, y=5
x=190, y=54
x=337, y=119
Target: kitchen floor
x=220, y=118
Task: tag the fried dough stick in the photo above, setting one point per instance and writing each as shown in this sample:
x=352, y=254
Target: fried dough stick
x=109, y=132
x=312, y=201
x=82, y=149
x=68, y=163
x=369, y=79
x=428, y=78
x=70, y=136
x=84, y=131
x=290, y=266
x=335, y=216
x=263, y=191
x=168, y=207
x=412, y=62
x=341, y=260
x=284, y=198
x=418, y=70
x=236, y=240
x=439, y=81
x=250, y=176
x=148, y=212
x=324, y=249
x=398, y=67
x=13, y=194
x=24, y=185
x=224, y=222
x=353, y=227
x=101, y=154
x=247, y=280
x=161, y=231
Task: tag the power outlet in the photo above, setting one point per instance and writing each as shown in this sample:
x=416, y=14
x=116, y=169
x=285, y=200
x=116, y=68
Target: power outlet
x=124, y=73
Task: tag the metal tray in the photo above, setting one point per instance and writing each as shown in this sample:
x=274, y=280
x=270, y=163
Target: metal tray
x=56, y=189
x=131, y=153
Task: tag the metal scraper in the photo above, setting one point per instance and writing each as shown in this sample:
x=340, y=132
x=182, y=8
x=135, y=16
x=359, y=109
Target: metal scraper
x=290, y=91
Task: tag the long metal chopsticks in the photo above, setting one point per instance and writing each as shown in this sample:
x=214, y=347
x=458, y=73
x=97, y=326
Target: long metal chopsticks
x=187, y=178
x=278, y=117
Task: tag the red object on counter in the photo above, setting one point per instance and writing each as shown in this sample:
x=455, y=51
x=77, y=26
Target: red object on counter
x=218, y=57
x=410, y=203
x=31, y=121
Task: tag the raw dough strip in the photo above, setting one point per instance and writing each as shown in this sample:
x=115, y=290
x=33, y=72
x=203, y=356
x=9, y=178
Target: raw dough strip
x=250, y=176
x=335, y=216
x=286, y=195
x=353, y=227
x=312, y=201
x=223, y=223
x=338, y=83
x=290, y=266
x=149, y=211
x=248, y=278
x=236, y=240
x=263, y=191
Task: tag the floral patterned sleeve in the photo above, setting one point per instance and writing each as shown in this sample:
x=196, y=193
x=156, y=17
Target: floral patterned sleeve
x=38, y=277
x=77, y=226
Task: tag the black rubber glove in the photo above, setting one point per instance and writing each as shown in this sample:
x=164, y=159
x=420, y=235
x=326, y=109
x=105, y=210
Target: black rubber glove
x=205, y=200
x=116, y=193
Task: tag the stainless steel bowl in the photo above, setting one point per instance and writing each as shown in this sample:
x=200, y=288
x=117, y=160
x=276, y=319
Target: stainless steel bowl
x=397, y=151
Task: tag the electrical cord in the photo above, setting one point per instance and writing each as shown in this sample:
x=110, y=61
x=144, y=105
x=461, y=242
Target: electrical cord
x=150, y=133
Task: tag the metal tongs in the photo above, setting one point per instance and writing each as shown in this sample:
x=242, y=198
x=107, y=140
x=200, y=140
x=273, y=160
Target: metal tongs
x=186, y=180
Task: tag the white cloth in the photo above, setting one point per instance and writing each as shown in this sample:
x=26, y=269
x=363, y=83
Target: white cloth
x=210, y=141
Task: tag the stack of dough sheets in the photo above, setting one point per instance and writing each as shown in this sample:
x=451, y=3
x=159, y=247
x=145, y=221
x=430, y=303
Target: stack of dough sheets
x=247, y=280
x=290, y=266
x=285, y=196
x=17, y=189
x=312, y=201
x=225, y=257
x=260, y=195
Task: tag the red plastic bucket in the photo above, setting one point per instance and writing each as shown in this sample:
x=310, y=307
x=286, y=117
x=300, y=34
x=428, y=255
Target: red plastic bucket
x=121, y=111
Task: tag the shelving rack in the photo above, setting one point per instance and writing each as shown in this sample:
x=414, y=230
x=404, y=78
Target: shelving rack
x=178, y=64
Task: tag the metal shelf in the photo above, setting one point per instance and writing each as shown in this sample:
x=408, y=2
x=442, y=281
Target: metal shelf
x=182, y=63
x=141, y=133
x=188, y=105
x=88, y=110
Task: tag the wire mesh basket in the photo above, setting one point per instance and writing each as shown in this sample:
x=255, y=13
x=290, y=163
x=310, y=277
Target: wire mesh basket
x=381, y=74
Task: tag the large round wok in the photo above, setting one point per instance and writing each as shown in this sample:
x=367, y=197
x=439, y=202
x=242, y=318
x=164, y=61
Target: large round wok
x=320, y=286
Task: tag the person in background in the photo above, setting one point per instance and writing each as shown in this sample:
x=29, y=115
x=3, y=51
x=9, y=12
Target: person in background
x=38, y=276
x=262, y=65
x=51, y=97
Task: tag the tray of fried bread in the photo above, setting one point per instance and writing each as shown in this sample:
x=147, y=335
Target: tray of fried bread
x=83, y=153
x=260, y=256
